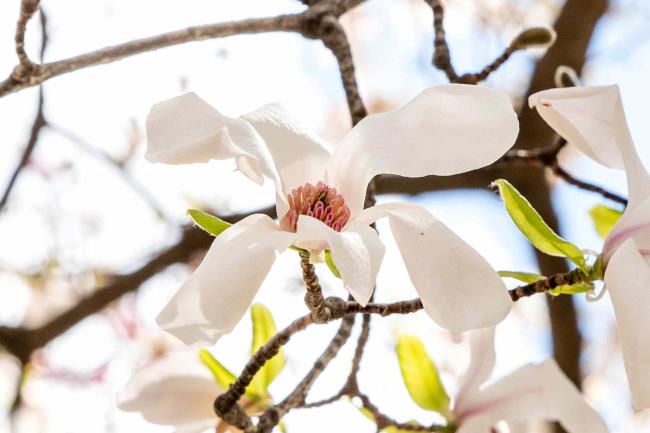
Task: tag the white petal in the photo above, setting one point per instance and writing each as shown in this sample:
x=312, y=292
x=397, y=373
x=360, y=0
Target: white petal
x=592, y=118
x=480, y=367
x=216, y=296
x=635, y=224
x=445, y=130
x=186, y=129
x=174, y=390
x=299, y=155
x=357, y=253
x=627, y=278
x=458, y=288
x=532, y=392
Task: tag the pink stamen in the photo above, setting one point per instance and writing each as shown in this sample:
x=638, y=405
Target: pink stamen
x=321, y=202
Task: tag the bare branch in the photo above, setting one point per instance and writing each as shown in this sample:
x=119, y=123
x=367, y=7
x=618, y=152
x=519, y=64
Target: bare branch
x=27, y=10
x=41, y=73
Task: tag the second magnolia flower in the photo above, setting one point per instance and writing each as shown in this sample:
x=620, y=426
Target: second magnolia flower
x=444, y=130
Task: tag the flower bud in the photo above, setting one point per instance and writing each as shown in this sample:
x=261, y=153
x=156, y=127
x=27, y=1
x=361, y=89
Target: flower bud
x=534, y=37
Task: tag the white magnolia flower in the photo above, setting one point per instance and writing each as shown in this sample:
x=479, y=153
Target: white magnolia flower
x=443, y=131
x=592, y=118
x=176, y=390
x=530, y=393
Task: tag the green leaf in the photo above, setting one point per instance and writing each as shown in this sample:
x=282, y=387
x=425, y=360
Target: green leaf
x=524, y=277
x=421, y=376
x=604, y=219
x=534, y=228
x=207, y=222
x=221, y=374
x=572, y=289
x=331, y=265
x=263, y=329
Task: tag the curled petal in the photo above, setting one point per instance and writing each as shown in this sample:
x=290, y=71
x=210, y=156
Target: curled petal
x=635, y=224
x=592, y=118
x=445, y=130
x=186, y=129
x=357, y=253
x=217, y=294
x=627, y=278
x=458, y=288
x=299, y=156
x=533, y=392
x=175, y=390
x=480, y=367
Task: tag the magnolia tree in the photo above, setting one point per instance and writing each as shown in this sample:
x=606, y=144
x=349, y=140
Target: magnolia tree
x=325, y=212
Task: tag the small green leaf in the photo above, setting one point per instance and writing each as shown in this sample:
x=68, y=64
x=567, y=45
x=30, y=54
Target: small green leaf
x=221, y=374
x=421, y=376
x=571, y=289
x=263, y=329
x=604, y=219
x=331, y=265
x=534, y=228
x=524, y=277
x=207, y=222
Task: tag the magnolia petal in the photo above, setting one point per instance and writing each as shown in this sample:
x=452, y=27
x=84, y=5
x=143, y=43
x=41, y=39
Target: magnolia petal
x=458, y=288
x=217, y=294
x=445, y=130
x=627, y=278
x=299, y=155
x=481, y=364
x=535, y=391
x=635, y=224
x=186, y=130
x=174, y=390
x=198, y=427
x=592, y=119
x=357, y=253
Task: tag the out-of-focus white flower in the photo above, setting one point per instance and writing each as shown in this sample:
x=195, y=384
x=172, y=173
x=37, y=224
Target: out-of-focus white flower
x=444, y=130
x=175, y=390
x=592, y=118
x=530, y=393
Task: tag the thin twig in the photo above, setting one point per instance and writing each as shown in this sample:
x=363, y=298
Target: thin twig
x=561, y=173
x=576, y=276
x=441, y=54
x=27, y=10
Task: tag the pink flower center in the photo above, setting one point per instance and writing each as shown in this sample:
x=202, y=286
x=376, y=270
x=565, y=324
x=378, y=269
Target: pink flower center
x=321, y=202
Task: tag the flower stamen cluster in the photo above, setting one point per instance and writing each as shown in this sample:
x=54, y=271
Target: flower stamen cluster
x=321, y=202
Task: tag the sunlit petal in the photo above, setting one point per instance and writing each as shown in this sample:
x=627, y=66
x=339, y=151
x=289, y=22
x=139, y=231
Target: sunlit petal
x=356, y=252
x=216, y=296
x=533, y=392
x=592, y=118
x=445, y=130
x=480, y=367
x=174, y=390
x=186, y=129
x=628, y=281
x=300, y=156
x=458, y=288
